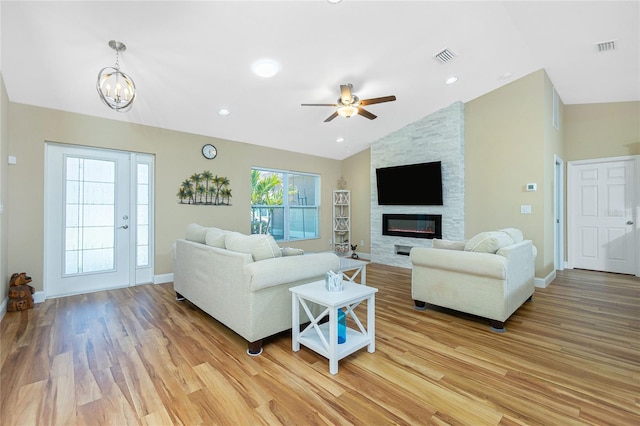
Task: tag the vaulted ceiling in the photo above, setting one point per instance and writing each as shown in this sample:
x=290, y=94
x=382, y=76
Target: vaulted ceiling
x=191, y=59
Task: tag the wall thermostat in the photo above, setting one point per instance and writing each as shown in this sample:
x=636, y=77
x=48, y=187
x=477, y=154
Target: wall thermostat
x=532, y=187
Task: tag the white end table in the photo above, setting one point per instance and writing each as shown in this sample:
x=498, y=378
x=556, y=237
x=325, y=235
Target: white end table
x=359, y=266
x=323, y=338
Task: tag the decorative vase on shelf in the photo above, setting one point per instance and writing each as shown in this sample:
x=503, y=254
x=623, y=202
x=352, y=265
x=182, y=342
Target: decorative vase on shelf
x=342, y=327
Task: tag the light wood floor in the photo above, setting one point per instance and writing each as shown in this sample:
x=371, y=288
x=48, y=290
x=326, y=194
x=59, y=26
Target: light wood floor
x=137, y=356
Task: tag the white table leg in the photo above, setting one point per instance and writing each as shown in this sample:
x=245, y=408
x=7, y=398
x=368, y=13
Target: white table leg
x=371, y=323
x=295, y=321
x=333, y=341
x=363, y=276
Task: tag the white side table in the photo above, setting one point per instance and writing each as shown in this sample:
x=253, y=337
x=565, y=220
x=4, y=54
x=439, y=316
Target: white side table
x=359, y=266
x=323, y=338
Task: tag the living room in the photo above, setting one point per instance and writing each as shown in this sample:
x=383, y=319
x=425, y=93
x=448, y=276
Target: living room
x=508, y=135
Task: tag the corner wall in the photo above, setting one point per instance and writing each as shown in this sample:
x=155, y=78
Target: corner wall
x=4, y=142
x=437, y=137
x=177, y=156
x=508, y=145
x=355, y=171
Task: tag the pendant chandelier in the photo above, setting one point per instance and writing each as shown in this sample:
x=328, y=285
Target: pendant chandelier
x=116, y=89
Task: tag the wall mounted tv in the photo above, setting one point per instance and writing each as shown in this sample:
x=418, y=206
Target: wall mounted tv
x=410, y=185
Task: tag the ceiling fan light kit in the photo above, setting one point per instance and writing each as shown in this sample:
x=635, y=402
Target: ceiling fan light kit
x=349, y=104
x=347, y=111
x=115, y=88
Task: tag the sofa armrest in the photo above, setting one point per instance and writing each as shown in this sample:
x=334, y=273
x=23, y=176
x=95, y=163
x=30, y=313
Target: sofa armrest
x=521, y=257
x=289, y=269
x=481, y=264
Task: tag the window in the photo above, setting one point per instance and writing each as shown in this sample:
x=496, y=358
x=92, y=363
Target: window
x=288, y=217
x=142, y=233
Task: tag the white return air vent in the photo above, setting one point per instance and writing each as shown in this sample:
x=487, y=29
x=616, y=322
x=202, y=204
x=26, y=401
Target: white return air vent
x=606, y=46
x=445, y=56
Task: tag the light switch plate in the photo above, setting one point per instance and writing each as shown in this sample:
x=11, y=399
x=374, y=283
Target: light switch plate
x=525, y=209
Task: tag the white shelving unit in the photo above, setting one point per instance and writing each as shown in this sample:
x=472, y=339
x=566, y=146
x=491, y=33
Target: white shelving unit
x=341, y=221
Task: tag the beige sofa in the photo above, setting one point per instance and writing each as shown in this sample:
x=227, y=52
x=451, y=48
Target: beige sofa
x=242, y=280
x=490, y=276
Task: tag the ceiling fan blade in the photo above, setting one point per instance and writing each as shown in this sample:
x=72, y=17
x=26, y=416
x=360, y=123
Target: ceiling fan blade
x=363, y=112
x=377, y=100
x=345, y=93
x=331, y=117
x=331, y=105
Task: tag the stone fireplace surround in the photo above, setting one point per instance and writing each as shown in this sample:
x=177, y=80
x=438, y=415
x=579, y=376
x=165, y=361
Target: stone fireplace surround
x=437, y=137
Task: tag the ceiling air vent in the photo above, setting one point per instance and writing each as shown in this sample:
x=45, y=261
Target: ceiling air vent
x=445, y=56
x=606, y=46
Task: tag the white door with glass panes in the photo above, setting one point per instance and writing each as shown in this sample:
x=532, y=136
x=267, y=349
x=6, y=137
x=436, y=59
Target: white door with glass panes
x=92, y=217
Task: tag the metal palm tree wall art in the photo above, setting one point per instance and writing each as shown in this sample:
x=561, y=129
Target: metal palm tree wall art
x=205, y=189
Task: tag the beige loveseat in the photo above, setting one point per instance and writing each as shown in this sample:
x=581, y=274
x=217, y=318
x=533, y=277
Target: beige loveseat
x=490, y=276
x=242, y=280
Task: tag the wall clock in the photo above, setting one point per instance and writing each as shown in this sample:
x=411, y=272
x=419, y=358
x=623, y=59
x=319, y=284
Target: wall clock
x=209, y=151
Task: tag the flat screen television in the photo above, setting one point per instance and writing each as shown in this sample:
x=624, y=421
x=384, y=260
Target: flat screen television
x=410, y=185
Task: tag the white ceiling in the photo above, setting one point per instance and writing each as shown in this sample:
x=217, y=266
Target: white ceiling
x=189, y=59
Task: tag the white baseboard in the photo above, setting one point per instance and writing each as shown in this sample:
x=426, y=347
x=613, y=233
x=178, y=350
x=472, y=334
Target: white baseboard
x=39, y=297
x=164, y=278
x=546, y=281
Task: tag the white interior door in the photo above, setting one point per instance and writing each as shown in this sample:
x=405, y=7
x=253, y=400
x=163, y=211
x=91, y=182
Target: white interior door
x=87, y=225
x=602, y=208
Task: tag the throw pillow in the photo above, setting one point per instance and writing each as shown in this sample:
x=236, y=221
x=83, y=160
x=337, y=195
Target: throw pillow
x=290, y=251
x=448, y=245
x=488, y=242
x=196, y=233
x=260, y=246
x=215, y=237
x=515, y=234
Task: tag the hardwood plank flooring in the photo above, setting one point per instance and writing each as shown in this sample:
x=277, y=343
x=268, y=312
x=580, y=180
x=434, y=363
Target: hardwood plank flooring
x=137, y=356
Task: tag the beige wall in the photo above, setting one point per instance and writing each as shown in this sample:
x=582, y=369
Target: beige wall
x=553, y=148
x=510, y=141
x=177, y=156
x=4, y=143
x=355, y=171
x=504, y=150
x=601, y=130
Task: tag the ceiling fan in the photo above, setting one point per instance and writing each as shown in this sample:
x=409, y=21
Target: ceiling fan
x=349, y=104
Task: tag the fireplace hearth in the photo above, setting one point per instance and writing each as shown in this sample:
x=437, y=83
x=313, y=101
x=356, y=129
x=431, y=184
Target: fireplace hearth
x=412, y=225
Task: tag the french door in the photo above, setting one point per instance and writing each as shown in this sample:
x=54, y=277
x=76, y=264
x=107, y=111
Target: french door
x=602, y=201
x=92, y=220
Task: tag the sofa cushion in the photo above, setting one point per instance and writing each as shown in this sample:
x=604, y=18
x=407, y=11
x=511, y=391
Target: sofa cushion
x=260, y=246
x=215, y=237
x=515, y=234
x=488, y=242
x=196, y=233
x=290, y=251
x=448, y=245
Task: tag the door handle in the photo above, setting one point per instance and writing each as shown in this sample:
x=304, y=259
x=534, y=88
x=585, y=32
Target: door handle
x=124, y=226
x=629, y=222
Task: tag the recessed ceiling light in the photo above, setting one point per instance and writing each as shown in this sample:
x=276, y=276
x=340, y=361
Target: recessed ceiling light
x=265, y=68
x=334, y=1
x=340, y=139
x=224, y=111
x=451, y=79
